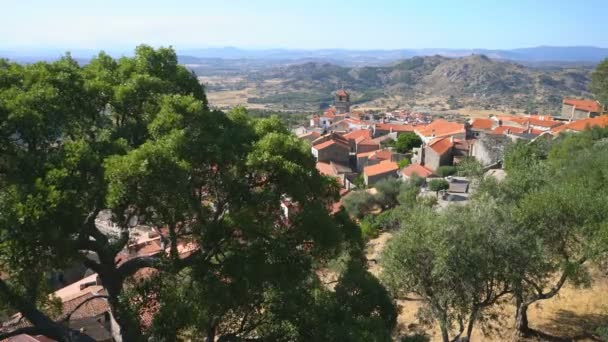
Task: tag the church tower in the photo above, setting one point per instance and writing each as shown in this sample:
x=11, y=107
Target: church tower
x=342, y=101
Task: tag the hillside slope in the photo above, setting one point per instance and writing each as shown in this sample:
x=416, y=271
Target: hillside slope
x=473, y=81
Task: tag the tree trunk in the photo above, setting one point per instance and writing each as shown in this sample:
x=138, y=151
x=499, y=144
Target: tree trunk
x=445, y=337
x=210, y=334
x=126, y=328
x=472, y=320
x=521, y=317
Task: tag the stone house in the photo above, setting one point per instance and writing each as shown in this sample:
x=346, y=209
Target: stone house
x=490, y=149
x=575, y=109
x=332, y=150
x=354, y=135
x=372, y=158
x=309, y=137
x=363, y=144
x=479, y=127
x=383, y=170
x=436, y=153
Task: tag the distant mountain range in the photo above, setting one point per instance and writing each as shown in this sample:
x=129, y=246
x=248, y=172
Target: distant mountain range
x=586, y=54
x=541, y=54
x=437, y=82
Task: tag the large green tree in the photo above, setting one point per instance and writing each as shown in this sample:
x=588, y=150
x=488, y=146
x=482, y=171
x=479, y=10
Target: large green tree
x=135, y=136
x=599, y=82
x=454, y=261
x=555, y=196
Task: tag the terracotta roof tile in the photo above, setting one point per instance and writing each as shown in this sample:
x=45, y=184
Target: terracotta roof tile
x=482, y=123
x=366, y=141
x=543, y=122
x=381, y=168
x=396, y=128
x=325, y=144
x=417, y=169
x=341, y=92
x=354, y=135
x=441, y=145
x=326, y=169
x=382, y=155
x=312, y=134
x=92, y=308
x=503, y=129
x=441, y=128
x=584, y=105
x=581, y=125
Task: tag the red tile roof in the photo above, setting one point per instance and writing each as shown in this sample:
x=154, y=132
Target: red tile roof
x=584, y=105
x=330, y=112
x=28, y=338
x=381, y=168
x=326, y=169
x=323, y=145
x=503, y=129
x=511, y=118
x=92, y=308
x=543, y=121
x=482, y=123
x=341, y=92
x=441, y=128
x=382, y=155
x=441, y=145
x=312, y=135
x=396, y=128
x=354, y=135
x=378, y=154
x=366, y=141
x=417, y=169
x=581, y=125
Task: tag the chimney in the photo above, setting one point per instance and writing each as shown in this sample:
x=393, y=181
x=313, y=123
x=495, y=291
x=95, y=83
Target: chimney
x=452, y=139
x=433, y=133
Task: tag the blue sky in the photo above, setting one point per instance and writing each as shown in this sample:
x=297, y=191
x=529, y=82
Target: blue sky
x=310, y=24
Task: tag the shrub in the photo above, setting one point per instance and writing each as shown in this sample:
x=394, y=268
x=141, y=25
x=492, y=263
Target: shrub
x=388, y=190
x=358, y=203
x=404, y=162
x=438, y=185
x=470, y=167
x=369, y=228
x=416, y=180
x=447, y=170
x=406, y=141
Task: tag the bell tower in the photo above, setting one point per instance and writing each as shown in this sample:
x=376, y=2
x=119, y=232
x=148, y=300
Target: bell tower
x=342, y=101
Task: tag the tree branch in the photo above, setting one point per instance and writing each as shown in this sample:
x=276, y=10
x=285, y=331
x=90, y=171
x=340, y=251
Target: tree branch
x=555, y=289
x=43, y=325
x=69, y=315
x=129, y=267
x=26, y=331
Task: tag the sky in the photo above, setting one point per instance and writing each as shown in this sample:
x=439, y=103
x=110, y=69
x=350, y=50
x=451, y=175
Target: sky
x=305, y=24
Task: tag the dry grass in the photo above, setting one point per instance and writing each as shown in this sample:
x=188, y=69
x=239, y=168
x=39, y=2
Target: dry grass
x=573, y=315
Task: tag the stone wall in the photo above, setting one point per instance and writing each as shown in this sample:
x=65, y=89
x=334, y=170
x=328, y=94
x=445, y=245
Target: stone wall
x=490, y=149
x=336, y=153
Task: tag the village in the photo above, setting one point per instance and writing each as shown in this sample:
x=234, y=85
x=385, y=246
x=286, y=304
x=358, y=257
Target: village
x=358, y=150
x=351, y=145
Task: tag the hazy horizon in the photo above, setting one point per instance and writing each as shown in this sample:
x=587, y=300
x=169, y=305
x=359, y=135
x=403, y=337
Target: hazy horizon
x=114, y=25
